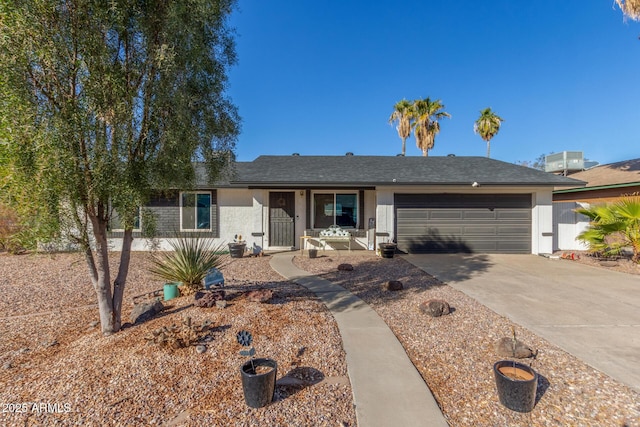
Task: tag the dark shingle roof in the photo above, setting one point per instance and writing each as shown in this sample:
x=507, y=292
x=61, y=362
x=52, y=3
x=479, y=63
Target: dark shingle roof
x=336, y=171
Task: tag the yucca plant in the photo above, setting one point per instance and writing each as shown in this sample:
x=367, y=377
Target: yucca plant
x=190, y=261
x=613, y=227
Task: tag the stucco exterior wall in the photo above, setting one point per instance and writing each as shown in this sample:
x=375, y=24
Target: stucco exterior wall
x=246, y=212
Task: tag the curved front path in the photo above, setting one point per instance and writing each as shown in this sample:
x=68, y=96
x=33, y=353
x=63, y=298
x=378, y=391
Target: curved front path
x=387, y=388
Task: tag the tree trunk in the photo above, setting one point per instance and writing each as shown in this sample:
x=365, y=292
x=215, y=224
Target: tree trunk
x=488, y=149
x=121, y=279
x=101, y=275
x=404, y=146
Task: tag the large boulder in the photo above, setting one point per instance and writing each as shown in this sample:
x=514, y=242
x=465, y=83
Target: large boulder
x=435, y=307
x=393, y=285
x=345, y=267
x=145, y=311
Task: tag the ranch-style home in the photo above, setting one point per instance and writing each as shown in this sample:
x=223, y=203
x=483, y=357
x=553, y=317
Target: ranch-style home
x=424, y=204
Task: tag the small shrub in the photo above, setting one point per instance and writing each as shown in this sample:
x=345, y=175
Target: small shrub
x=179, y=336
x=190, y=261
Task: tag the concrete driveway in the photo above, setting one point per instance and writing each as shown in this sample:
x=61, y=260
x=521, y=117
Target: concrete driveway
x=589, y=312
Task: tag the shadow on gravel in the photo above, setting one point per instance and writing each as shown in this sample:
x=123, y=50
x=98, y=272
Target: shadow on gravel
x=368, y=280
x=543, y=385
x=283, y=291
x=297, y=380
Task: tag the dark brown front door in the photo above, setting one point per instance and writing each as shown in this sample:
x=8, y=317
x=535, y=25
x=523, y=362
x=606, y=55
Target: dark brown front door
x=282, y=219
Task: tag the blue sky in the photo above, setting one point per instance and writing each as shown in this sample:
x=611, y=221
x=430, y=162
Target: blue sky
x=321, y=77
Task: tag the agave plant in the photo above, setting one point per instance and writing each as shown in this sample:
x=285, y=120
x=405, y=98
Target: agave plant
x=190, y=261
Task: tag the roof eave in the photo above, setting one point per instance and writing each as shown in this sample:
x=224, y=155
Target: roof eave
x=598, y=187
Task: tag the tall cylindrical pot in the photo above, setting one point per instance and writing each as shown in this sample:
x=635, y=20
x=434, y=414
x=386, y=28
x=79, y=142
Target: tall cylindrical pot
x=170, y=291
x=516, y=384
x=387, y=250
x=259, y=381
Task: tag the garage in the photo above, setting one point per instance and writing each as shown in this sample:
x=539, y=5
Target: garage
x=472, y=223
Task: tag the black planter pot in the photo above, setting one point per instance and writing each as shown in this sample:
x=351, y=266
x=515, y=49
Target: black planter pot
x=259, y=387
x=313, y=253
x=387, y=250
x=236, y=250
x=516, y=384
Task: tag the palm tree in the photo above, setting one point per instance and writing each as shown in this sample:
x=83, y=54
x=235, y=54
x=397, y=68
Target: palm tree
x=613, y=227
x=426, y=114
x=631, y=8
x=488, y=126
x=403, y=114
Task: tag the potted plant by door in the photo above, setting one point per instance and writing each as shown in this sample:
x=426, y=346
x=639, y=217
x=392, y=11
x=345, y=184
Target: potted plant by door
x=237, y=247
x=258, y=375
x=387, y=249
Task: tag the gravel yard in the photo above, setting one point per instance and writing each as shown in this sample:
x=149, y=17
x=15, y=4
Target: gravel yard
x=52, y=352
x=455, y=355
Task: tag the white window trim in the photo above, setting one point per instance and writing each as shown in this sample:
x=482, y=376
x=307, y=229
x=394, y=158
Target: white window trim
x=201, y=230
x=334, y=192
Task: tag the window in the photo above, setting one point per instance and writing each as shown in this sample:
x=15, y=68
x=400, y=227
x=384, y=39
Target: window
x=116, y=225
x=335, y=208
x=195, y=211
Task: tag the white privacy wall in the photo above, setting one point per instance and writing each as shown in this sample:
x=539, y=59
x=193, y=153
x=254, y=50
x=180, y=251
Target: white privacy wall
x=567, y=225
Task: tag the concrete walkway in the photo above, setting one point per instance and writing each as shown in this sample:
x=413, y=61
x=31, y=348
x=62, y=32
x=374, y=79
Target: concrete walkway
x=387, y=388
x=590, y=312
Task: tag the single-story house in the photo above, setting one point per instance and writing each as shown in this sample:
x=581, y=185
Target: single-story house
x=424, y=204
x=604, y=183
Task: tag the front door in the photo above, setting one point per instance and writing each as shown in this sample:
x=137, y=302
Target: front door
x=282, y=219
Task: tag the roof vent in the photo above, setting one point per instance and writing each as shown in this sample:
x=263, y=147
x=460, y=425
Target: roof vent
x=451, y=155
x=295, y=154
x=399, y=155
x=349, y=153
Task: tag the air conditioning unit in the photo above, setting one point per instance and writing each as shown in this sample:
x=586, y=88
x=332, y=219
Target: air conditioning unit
x=564, y=162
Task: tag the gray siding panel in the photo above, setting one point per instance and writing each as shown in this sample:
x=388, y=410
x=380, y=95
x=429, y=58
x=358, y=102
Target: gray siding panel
x=166, y=210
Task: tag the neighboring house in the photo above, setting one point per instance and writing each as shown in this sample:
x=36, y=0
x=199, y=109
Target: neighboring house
x=432, y=204
x=604, y=183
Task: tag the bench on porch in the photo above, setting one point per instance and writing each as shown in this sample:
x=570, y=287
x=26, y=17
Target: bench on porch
x=334, y=234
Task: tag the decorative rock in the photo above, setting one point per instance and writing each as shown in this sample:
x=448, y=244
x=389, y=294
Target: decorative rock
x=208, y=298
x=221, y=304
x=393, y=285
x=201, y=348
x=143, y=312
x=435, y=307
x=345, y=267
x=94, y=324
x=260, y=295
x=504, y=347
x=7, y=365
